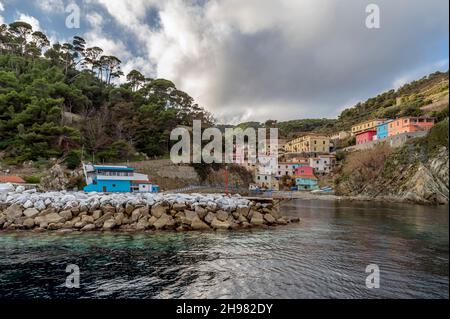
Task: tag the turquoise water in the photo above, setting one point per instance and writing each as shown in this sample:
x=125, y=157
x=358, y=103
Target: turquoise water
x=324, y=256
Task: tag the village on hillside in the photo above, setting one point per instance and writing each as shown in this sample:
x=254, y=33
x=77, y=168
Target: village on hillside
x=300, y=163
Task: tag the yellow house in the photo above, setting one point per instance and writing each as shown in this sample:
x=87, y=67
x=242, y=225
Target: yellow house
x=310, y=143
x=367, y=125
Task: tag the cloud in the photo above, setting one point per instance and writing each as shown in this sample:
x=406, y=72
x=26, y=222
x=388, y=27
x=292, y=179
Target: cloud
x=50, y=6
x=259, y=59
x=2, y=8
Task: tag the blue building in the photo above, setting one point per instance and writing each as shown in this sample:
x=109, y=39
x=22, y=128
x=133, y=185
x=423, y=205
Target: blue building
x=116, y=179
x=383, y=130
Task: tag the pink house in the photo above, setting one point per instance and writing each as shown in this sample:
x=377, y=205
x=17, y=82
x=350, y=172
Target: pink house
x=365, y=137
x=304, y=171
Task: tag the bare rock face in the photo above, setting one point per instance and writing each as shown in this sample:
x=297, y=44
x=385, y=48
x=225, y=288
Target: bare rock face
x=429, y=184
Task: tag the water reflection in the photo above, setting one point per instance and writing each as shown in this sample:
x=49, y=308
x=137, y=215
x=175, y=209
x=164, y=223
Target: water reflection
x=322, y=257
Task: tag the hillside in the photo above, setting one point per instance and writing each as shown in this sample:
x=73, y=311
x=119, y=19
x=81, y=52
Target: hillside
x=418, y=172
x=427, y=96
x=62, y=101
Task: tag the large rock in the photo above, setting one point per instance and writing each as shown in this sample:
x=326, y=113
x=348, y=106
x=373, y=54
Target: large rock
x=189, y=216
x=12, y=212
x=66, y=214
x=179, y=206
x=165, y=221
x=210, y=217
x=142, y=224
x=217, y=224
x=269, y=219
x=51, y=218
x=88, y=227
x=31, y=212
x=87, y=219
x=136, y=214
x=198, y=224
x=159, y=211
x=109, y=224
x=201, y=212
x=28, y=223
x=257, y=218
x=97, y=214
x=222, y=215
x=99, y=222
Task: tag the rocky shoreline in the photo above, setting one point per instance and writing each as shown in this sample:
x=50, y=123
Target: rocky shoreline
x=78, y=211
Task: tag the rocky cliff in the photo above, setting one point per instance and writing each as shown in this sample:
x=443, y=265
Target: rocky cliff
x=404, y=176
x=418, y=172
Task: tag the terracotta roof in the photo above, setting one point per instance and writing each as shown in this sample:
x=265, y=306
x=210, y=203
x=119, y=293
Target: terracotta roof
x=11, y=179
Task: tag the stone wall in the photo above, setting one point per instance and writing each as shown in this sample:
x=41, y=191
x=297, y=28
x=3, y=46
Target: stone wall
x=69, y=211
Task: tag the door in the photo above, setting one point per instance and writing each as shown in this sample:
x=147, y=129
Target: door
x=104, y=189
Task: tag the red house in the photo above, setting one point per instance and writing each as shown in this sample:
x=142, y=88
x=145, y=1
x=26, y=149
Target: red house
x=366, y=136
x=304, y=171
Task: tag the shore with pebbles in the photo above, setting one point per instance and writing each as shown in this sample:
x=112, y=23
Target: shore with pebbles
x=22, y=209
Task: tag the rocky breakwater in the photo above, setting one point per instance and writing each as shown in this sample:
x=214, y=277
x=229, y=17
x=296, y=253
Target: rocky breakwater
x=67, y=211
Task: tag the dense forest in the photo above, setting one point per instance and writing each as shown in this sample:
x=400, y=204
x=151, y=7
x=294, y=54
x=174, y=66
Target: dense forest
x=64, y=100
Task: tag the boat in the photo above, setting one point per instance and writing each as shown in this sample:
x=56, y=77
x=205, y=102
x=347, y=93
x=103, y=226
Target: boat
x=116, y=179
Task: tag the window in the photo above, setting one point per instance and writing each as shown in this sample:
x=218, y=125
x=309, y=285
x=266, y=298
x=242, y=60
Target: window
x=265, y=177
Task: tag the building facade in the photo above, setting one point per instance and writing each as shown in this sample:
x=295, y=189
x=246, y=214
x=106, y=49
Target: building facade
x=365, y=137
x=365, y=126
x=310, y=143
x=116, y=179
x=305, y=178
x=287, y=169
x=323, y=164
x=410, y=125
x=383, y=130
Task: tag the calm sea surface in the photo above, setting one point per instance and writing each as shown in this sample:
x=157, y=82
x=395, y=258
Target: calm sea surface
x=325, y=256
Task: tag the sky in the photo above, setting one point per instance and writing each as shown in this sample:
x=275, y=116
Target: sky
x=253, y=60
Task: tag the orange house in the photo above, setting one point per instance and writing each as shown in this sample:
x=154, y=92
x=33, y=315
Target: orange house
x=410, y=124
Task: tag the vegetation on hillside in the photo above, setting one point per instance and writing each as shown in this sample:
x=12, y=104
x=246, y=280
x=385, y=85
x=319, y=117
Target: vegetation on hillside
x=62, y=100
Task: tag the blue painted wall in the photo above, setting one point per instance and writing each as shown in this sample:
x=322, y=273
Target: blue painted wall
x=306, y=183
x=382, y=131
x=109, y=186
